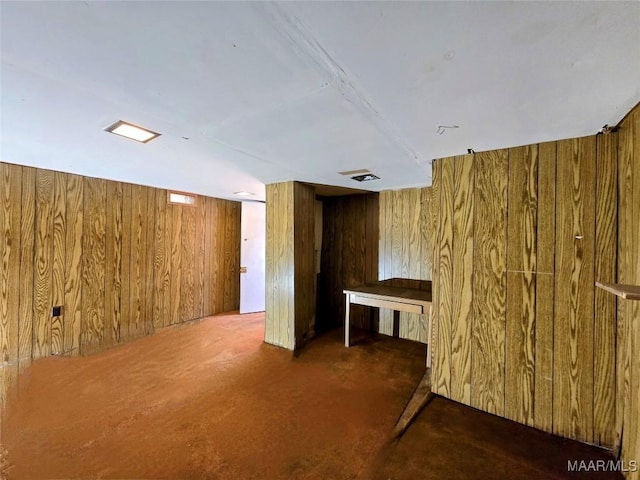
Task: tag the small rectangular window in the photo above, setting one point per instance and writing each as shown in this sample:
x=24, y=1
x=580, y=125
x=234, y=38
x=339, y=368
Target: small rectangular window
x=182, y=198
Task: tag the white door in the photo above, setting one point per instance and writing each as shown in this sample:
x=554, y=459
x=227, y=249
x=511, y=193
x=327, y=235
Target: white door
x=252, y=251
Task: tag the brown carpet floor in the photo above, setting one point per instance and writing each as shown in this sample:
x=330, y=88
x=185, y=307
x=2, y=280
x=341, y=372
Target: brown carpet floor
x=209, y=400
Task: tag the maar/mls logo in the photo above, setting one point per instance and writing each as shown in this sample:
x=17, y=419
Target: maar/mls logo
x=602, y=466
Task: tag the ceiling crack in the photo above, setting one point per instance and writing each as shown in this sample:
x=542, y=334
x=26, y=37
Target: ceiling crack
x=298, y=36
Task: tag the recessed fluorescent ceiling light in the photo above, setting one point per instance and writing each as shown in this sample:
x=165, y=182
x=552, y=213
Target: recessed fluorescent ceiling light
x=244, y=194
x=134, y=132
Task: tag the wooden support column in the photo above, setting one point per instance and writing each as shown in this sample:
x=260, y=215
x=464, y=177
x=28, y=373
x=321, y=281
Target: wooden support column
x=290, y=264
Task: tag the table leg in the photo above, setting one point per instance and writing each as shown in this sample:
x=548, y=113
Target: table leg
x=429, y=336
x=346, y=319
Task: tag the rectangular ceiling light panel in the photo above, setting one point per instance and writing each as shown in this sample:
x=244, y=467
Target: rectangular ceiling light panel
x=131, y=131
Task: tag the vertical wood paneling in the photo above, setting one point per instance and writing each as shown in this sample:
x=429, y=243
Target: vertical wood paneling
x=138, y=270
x=634, y=425
x=436, y=206
x=175, y=212
x=149, y=291
x=27, y=207
x=58, y=257
x=207, y=296
x=272, y=313
x=280, y=317
x=43, y=263
x=349, y=257
x=93, y=273
x=127, y=240
x=304, y=262
x=95, y=247
x=162, y=301
x=442, y=382
x=521, y=284
x=489, y=299
x=625, y=276
x=280, y=266
x=113, y=263
x=462, y=314
x=543, y=388
x=73, y=264
x=228, y=259
x=426, y=229
x=628, y=341
x=635, y=407
x=406, y=247
x=188, y=262
x=235, y=250
x=10, y=212
x=200, y=256
x=411, y=325
x=386, y=213
x=605, y=304
x=573, y=326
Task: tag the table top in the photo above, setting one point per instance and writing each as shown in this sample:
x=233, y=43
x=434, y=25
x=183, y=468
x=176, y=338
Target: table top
x=398, y=294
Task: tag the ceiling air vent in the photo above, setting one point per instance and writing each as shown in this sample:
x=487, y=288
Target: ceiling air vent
x=365, y=178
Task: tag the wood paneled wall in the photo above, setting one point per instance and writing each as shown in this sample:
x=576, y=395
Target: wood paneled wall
x=628, y=360
x=119, y=259
x=349, y=255
x=405, y=247
x=290, y=264
x=519, y=330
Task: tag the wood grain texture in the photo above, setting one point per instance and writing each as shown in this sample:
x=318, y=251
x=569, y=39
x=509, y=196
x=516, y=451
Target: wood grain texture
x=386, y=236
x=113, y=263
x=405, y=240
x=235, y=249
x=304, y=263
x=188, y=236
x=73, y=264
x=90, y=245
x=162, y=256
x=149, y=261
x=125, y=288
x=436, y=201
x=521, y=284
x=228, y=258
x=93, y=273
x=545, y=260
x=27, y=231
x=10, y=212
x=200, y=259
x=175, y=212
x=349, y=256
x=628, y=341
x=489, y=290
x=279, y=314
x=137, y=259
x=462, y=313
x=444, y=305
x=634, y=426
x=573, y=326
x=426, y=228
x=604, y=369
x=42, y=283
x=58, y=258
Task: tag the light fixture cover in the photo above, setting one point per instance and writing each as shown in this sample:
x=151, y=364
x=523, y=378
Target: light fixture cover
x=244, y=194
x=131, y=131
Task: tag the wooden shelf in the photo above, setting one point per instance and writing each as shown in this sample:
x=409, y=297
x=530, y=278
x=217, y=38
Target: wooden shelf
x=628, y=292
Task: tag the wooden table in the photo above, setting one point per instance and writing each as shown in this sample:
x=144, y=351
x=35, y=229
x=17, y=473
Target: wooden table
x=394, y=298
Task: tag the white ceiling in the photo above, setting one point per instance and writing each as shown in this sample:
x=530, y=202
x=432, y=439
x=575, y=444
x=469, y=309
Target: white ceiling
x=251, y=93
